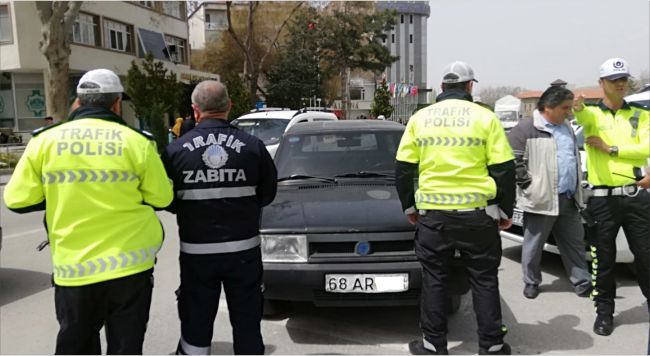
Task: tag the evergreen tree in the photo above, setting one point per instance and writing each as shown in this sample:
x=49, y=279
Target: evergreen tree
x=238, y=94
x=154, y=92
x=381, y=101
x=296, y=73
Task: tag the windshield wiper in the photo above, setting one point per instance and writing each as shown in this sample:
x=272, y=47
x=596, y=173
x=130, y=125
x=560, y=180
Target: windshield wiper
x=304, y=176
x=364, y=174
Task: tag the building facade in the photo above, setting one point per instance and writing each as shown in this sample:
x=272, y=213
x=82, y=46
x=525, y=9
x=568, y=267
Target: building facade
x=105, y=35
x=206, y=23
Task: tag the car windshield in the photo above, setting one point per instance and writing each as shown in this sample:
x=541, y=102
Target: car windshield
x=268, y=130
x=507, y=115
x=339, y=154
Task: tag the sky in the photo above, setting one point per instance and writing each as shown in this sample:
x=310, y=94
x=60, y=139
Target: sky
x=530, y=43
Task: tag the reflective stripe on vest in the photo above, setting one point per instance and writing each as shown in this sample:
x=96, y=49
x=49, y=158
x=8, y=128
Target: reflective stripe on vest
x=189, y=349
x=215, y=193
x=105, y=264
x=449, y=141
x=220, y=247
x=87, y=175
x=451, y=199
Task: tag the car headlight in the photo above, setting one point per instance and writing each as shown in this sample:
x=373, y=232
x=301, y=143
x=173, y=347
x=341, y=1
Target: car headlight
x=284, y=248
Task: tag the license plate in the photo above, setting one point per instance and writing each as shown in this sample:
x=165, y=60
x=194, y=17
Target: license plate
x=366, y=283
x=518, y=218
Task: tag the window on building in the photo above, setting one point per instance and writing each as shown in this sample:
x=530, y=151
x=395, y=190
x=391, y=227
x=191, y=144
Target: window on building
x=357, y=94
x=172, y=8
x=176, y=47
x=86, y=30
x=410, y=18
x=392, y=38
x=118, y=36
x=207, y=18
x=5, y=24
x=401, y=19
x=149, y=4
x=411, y=38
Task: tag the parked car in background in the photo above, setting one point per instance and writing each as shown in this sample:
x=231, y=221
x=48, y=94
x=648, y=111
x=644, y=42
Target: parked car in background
x=335, y=235
x=270, y=124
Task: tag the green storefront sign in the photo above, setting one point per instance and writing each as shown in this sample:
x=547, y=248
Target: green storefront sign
x=36, y=103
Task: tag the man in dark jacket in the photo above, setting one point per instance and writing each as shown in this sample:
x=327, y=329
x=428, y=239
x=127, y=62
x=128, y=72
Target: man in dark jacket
x=222, y=178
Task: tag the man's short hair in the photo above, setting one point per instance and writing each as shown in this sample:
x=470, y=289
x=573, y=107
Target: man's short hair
x=554, y=96
x=450, y=86
x=101, y=100
x=210, y=96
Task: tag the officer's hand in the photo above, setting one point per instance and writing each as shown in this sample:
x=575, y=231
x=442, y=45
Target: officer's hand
x=645, y=182
x=505, y=224
x=578, y=103
x=598, y=143
x=412, y=218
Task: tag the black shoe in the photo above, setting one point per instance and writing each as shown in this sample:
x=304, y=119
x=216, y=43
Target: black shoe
x=585, y=293
x=604, y=325
x=503, y=350
x=416, y=347
x=531, y=291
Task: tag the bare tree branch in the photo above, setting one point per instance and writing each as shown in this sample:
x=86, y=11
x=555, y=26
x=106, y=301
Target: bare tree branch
x=231, y=30
x=71, y=15
x=44, y=9
x=277, y=34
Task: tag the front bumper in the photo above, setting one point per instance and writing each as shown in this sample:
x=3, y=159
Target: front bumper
x=306, y=282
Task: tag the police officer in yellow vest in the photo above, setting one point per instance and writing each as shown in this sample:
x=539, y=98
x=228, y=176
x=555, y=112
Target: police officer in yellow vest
x=618, y=146
x=466, y=193
x=98, y=181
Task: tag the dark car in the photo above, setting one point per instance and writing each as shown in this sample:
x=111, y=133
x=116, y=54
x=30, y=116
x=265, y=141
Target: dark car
x=335, y=234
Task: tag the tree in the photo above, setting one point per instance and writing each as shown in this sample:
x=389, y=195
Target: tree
x=253, y=60
x=490, y=95
x=154, y=92
x=238, y=94
x=381, y=101
x=296, y=73
x=57, y=19
x=350, y=39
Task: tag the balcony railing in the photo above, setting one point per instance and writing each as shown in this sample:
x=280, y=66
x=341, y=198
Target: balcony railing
x=215, y=26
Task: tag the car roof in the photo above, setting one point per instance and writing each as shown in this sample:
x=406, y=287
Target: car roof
x=344, y=125
x=285, y=114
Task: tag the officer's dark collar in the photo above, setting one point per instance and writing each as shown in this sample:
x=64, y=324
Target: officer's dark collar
x=454, y=94
x=85, y=112
x=213, y=123
x=603, y=107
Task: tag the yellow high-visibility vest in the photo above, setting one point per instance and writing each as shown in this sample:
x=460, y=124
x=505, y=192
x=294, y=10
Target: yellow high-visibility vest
x=453, y=142
x=99, y=181
x=629, y=129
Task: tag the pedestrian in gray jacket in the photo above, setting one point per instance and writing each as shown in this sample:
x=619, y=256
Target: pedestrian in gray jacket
x=548, y=190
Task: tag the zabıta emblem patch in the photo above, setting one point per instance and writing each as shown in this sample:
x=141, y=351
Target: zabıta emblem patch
x=215, y=157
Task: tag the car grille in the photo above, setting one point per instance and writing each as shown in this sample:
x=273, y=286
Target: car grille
x=385, y=247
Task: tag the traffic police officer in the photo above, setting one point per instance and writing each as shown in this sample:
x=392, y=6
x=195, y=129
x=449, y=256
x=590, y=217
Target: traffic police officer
x=617, y=148
x=98, y=181
x=466, y=193
x=222, y=179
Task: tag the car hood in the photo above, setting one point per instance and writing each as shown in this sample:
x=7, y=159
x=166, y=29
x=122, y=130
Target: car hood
x=328, y=208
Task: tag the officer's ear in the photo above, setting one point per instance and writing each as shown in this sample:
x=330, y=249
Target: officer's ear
x=117, y=106
x=469, y=86
x=229, y=108
x=197, y=112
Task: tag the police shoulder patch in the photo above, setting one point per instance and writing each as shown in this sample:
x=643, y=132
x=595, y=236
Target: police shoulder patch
x=40, y=130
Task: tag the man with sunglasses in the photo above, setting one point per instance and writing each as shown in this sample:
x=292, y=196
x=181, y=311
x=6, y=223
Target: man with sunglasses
x=617, y=136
